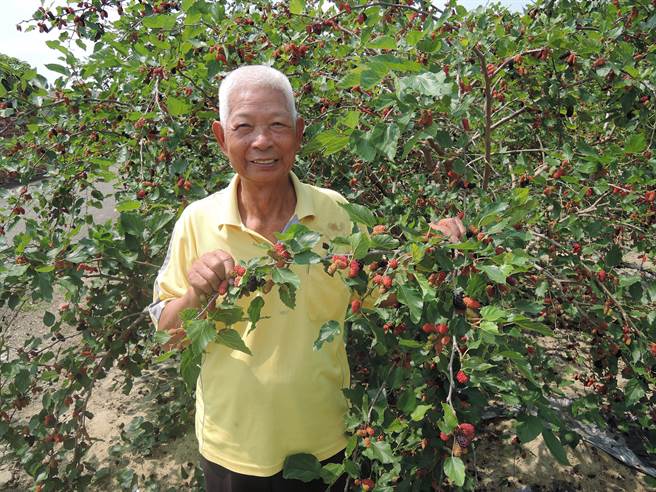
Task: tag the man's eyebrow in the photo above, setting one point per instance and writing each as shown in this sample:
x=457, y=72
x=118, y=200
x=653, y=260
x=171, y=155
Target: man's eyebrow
x=280, y=114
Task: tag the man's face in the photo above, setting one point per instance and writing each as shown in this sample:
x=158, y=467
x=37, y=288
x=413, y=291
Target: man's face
x=260, y=137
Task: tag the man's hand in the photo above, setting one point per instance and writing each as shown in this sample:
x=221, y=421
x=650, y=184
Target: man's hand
x=209, y=274
x=452, y=228
x=177, y=340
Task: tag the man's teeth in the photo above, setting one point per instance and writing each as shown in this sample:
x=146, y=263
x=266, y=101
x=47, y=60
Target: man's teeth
x=264, y=161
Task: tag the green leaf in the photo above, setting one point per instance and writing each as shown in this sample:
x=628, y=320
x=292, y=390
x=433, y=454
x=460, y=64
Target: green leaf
x=48, y=318
x=22, y=380
x=360, y=244
x=4, y=426
x=633, y=392
x=529, y=428
x=330, y=472
x=351, y=79
x=329, y=142
x=383, y=241
x=613, y=257
x=372, y=75
x=160, y=21
x=132, y=224
x=389, y=142
x=454, y=468
x=254, y=309
x=287, y=295
x=350, y=119
x=629, y=281
x=296, y=7
x=228, y=314
x=190, y=368
x=635, y=143
x=45, y=268
x=407, y=402
x=303, y=466
x=176, y=106
x=419, y=412
x=494, y=273
x=493, y=313
x=410, y=343
x=380, y=451
x=303, y=237
x=128, y=206
x=411, y=298
x=328, y=331
x=535, y=326
x=285, y=276
x=200, y=332
x=307, y=258
x=57, y=68
x=360, y=214
x=489, y=327
x=230, y=338
x=555, y=447
x=450, y=420
x=427, y=84
x=188, y=314
x=383, y=42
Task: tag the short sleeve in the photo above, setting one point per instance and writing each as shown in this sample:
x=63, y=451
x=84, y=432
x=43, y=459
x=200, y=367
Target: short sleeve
x=171, y=282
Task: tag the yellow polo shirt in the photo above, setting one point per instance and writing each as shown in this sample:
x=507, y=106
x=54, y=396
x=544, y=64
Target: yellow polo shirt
x=253, y=411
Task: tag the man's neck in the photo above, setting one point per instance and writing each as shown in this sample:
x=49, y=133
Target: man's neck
x=264, y=207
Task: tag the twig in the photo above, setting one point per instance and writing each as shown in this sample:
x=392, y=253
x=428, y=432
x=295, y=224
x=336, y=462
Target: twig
x=398, y=5
x=82, y=410
x=508, y=118
x=591, y=275
x=141, y=159
x=591, y=208
x=488, y=117
x=209, y=303
x=451, y=384
x=511, y=58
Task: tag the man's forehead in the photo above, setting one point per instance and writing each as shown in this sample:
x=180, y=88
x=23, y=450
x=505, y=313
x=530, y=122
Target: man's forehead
x=253, y=99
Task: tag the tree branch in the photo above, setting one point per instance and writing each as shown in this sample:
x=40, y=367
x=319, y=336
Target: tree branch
x=488, y=117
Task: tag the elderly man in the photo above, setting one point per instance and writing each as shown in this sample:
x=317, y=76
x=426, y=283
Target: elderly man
x=253, y=411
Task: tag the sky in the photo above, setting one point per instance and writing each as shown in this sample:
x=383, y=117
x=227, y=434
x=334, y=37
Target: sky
x=31, y=48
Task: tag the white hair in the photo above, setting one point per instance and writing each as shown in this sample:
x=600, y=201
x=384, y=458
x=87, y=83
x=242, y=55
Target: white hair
x=258, y=76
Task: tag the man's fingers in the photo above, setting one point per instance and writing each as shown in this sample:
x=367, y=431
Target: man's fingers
x=208, y=280
x=455, y=233
x=461, y=226
x=228, y=263
x=176, y=340
x=452, y=228
x=221, y=263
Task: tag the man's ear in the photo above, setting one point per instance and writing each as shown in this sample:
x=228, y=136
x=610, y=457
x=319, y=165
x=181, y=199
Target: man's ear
x=219, y=134
x=300, y=128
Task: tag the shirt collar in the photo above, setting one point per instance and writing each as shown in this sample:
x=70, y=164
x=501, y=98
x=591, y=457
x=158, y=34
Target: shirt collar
x=228, y=210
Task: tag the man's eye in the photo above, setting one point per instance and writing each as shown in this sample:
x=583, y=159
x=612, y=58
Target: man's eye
x=241, y=126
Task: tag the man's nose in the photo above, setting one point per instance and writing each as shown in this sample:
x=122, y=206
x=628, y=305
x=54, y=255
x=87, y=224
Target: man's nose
x=262, y=138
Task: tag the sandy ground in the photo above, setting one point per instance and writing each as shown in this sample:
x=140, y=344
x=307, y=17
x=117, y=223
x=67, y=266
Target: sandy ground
x=504, y=466
x=113, y=410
